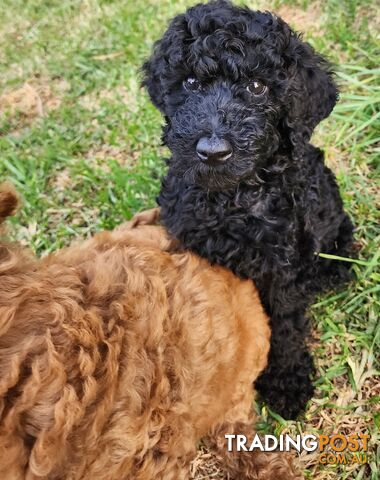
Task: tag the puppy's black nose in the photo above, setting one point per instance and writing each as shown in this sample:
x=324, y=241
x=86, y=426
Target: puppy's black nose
x=214, y=150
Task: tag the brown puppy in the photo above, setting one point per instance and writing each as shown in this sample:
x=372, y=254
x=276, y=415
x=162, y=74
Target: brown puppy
x=117, y=355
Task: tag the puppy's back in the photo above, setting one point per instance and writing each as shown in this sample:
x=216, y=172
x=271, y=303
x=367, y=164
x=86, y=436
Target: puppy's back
x=111, y=350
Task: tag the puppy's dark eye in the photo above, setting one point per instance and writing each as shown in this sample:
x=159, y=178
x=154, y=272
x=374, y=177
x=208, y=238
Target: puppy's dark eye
x=256, y=88
x=192, y=84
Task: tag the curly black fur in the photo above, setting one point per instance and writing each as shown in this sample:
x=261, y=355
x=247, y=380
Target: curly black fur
x=268, y=210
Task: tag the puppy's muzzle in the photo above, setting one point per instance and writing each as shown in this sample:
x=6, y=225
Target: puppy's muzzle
x=213, y=150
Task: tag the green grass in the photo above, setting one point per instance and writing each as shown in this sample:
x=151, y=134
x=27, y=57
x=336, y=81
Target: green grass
x=81, y=141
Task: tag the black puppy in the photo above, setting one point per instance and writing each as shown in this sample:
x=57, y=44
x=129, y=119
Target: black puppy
x=241, y=94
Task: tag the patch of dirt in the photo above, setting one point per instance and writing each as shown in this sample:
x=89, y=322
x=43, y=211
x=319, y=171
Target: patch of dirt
x=62, y=180
x=33, y=99
x=13, y=28
x=372, y=13
x=122, y=154
x=351, y=412
x=121, y=94
x=301, y=20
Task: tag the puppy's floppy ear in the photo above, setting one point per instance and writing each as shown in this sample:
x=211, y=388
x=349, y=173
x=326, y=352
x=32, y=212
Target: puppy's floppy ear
x=9, y=200
x=312, y=90
x=158, y=77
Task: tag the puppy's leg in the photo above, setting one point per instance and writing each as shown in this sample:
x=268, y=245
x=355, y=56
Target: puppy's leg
x=331, y=227
x=332, y=273
x=255, y=465
x=286, y=385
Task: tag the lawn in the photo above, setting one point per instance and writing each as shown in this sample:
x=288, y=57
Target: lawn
x=81, y=141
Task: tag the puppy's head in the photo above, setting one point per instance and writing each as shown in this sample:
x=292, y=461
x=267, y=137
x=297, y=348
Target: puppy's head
x=235, y=86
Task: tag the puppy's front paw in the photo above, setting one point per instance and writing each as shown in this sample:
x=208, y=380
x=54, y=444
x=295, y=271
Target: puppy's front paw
x=286, y=389
x=147, y=217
